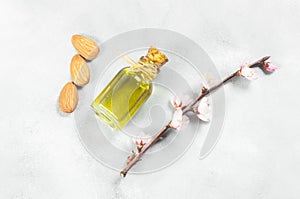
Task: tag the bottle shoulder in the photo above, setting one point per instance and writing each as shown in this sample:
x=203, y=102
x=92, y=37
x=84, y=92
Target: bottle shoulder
x=137, y=76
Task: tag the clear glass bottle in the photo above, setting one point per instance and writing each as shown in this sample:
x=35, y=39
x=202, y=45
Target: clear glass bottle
x=128, y=90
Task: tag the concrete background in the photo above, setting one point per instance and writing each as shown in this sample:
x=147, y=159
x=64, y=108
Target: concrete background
x=258, y=154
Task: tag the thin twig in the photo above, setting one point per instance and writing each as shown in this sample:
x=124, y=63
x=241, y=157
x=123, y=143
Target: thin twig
x=185, y=110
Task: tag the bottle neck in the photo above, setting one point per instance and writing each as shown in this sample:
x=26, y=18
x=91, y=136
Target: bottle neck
x=149, y=66
x=146, y=71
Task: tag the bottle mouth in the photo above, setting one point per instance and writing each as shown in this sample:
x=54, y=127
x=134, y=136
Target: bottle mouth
x=149, y=65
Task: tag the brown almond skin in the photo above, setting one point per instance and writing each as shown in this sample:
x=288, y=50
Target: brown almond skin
x=86, y=47
x=79, y=70
x=68, y=98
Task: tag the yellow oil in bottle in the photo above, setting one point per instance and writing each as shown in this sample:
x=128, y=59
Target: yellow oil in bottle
x=128, y=90
x=121, y=98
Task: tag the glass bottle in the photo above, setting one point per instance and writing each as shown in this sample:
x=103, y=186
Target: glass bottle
x=128, y=90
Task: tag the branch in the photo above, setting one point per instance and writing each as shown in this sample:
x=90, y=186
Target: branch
x=187, y=108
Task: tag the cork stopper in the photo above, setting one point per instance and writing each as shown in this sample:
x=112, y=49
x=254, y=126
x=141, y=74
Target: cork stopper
x=154, y=56
x=149, y=65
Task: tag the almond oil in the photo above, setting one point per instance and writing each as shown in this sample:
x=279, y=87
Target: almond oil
x=128, y=90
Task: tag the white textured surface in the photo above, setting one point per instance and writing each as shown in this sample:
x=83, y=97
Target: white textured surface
x=258, y=153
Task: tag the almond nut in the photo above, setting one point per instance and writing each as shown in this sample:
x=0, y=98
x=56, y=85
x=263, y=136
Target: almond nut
x=86, y=47
x=79, y=70
x=68, y=98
